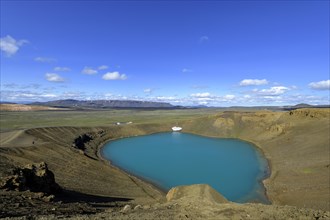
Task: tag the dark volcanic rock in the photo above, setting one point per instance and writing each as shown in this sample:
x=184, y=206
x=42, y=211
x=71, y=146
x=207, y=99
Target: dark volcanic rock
x=80, y=141
x=33, y=177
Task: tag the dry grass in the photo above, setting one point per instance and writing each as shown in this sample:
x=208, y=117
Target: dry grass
x=296, y=143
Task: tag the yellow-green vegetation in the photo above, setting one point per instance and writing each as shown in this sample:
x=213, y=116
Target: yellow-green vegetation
x=32, y=119
x=307, y=170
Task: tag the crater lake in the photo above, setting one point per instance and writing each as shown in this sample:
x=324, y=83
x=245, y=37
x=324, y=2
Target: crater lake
x=233, y=167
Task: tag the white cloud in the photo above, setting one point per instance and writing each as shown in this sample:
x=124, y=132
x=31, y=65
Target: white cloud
x=321, y=85
x=253, y=82
x=185, y=70
x=10, y=46
x=147, y=90
x=203, y=38
x=48, y=95
x=44, y=59
x=272, y=91
x=89, y=70
x=25, y=95
x=103, y=67
x=201, y=95
x=252, y=99
x=207, y=98
x=114, y=76
x=203, y=103
x=11, y=85
x=21, y=86
x=226, y=98
x=62, y=69
x=53, y=77
x=166, y=98
x=229, y=97
x=73, y=95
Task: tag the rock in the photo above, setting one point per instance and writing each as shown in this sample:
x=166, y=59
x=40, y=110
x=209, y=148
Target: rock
x=126, y=208
x=33, y=177
x=13, y=182
x=197, y=192
x=310, y=113
x=101, y=133
x=80, y=141
x=137, y=207
x=39, y=195
x=49, y=198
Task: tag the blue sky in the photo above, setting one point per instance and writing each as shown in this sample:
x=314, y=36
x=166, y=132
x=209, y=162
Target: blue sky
x=216, y=53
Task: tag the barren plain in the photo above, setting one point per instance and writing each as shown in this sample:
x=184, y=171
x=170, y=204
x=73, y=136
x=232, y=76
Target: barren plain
x=296, y=143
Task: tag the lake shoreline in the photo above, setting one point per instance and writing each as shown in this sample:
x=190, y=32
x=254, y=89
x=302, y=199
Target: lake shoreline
x=111, y=164
x=261, y=150
x=260, y=181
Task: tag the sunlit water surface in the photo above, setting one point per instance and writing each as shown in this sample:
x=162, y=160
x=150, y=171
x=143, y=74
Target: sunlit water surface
x=234, y=168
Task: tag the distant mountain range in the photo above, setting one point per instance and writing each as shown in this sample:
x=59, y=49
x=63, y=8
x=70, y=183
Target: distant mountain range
x=1, y=102
x=100, y=104
x=303, y=105
x=105, y=104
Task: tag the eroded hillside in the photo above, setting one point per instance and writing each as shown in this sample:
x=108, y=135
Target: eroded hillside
x=296, y=144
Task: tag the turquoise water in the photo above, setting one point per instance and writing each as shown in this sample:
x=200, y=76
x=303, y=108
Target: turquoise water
x=232, y=167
